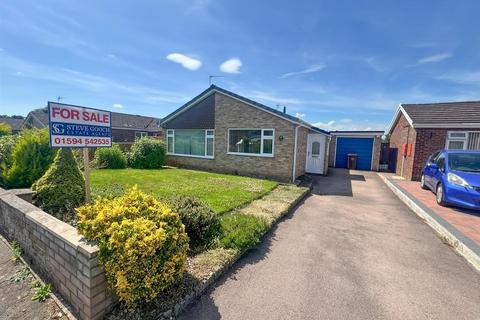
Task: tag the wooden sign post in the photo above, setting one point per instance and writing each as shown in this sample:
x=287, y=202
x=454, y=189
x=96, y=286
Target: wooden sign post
x=79, y=127
x=86, y=170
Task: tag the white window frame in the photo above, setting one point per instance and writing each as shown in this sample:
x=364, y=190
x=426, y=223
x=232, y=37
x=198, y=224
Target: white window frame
x=171, y=133
x=142, y=134
x=262, y=138
x=465, y=140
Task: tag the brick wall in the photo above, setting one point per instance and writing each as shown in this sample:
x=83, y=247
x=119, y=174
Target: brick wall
x=55, y=250
x=301, y=151
x=428, y=141
x=376, y=153
x=403, y=132
x=231, y=113
x=331, y=154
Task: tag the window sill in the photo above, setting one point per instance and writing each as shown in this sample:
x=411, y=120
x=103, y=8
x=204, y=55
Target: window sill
x=190, y=156
x=250, y=154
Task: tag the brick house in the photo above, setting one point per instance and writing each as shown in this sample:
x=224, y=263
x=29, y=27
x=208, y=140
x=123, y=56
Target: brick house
x=221, y=131
x=418, y=130
x=125, y=127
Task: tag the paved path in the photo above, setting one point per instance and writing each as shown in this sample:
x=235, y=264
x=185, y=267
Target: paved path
x=15, y=297
x=465, y=221
x=354, y=252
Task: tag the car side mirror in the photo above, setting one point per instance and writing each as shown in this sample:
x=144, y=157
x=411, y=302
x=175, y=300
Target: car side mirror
x=433, y=166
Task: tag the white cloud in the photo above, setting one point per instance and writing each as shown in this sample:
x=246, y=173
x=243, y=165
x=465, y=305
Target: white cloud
x=299, y=115
x=435, y=58
x=310, y=69
x=268, y=96
x=232, y=65
x=186, y=61
x=462, y=77
x=117, y=105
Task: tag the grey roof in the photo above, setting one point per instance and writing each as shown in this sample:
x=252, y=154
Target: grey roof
x=119, y=120
x=358, y=131
x=444, y=113
x=14, y=123
x=213, y=88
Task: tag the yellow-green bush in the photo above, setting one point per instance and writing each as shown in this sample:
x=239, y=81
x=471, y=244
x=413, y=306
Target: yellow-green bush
x=143, y=244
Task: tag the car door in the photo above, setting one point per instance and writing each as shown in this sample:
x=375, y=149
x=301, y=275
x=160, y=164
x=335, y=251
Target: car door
x=438, y=173
x=428, y=172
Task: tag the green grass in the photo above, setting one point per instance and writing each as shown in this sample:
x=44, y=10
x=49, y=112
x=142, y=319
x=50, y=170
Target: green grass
x=220, y=191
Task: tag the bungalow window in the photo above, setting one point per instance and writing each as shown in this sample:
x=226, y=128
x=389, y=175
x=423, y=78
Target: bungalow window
x=251, y=142
x=462, y=140
x=140, y=134
x=190, y=142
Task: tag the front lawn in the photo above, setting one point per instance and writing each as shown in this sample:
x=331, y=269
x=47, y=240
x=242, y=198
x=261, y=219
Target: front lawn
x=220, y=191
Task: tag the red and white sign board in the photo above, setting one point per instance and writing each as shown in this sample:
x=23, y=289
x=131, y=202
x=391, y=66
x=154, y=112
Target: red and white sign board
x=75, y=126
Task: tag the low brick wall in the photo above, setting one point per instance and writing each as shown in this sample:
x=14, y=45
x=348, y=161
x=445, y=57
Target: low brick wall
x=56, y=251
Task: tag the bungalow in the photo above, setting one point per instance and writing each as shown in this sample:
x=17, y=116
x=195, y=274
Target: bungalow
x=221, y=131
x=125, y=127
x=418, y=130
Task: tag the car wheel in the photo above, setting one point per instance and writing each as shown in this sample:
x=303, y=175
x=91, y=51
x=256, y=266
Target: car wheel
x=440, y=197
x=422, y=182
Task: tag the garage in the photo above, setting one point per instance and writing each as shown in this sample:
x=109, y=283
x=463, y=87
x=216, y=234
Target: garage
x=363, y=145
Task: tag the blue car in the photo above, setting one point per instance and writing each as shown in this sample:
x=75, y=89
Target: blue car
x=454, y=176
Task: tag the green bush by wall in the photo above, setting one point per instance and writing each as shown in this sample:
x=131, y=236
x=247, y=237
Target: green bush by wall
x=30, y=159
x=62, y=188
x=147, y=153
x=110, y=158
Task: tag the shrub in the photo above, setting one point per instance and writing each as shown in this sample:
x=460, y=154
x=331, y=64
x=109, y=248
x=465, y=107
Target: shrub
x=7, y=143
x=61, y=188
x=201, y=223
x=241, y=231
x=31, y=157
x=147, y=153
x=5, y=129
x=143, y=244
x=110, y=158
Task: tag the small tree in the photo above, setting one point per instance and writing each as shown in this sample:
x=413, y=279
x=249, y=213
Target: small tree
x=62, y=187
x=5, y=129
x=30, y=158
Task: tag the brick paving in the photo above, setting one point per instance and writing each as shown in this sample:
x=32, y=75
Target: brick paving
x=466, y=222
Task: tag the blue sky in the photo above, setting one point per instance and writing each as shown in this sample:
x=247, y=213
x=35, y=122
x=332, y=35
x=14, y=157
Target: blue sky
x=338, y=64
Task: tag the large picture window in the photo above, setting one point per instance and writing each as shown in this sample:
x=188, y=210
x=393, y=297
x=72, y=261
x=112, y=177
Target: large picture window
x=251, y=142
x=190, y=142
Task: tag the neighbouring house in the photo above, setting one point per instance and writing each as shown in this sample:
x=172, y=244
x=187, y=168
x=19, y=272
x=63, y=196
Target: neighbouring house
x=125, y=127
x=365, y=145
x=221, y=131
x=418, y=130
x=15, y=122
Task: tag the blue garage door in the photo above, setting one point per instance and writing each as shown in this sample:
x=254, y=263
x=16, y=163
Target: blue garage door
x=360, y=146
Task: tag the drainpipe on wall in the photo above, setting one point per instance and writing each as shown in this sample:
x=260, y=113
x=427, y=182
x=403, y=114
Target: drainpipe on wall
x=295, y=155
x=406, y=151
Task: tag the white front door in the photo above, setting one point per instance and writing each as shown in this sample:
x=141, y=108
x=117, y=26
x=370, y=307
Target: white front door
x=315, y=153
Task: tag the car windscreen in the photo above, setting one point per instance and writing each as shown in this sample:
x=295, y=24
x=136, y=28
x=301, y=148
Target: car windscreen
x=468, y=162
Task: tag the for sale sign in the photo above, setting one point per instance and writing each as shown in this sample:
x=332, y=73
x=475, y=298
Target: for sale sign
x=75, y=126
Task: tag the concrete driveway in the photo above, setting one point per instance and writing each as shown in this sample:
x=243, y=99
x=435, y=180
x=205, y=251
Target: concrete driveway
x=350, y=251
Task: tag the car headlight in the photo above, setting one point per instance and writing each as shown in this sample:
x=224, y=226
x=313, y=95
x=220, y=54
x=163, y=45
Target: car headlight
x=454, y=179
